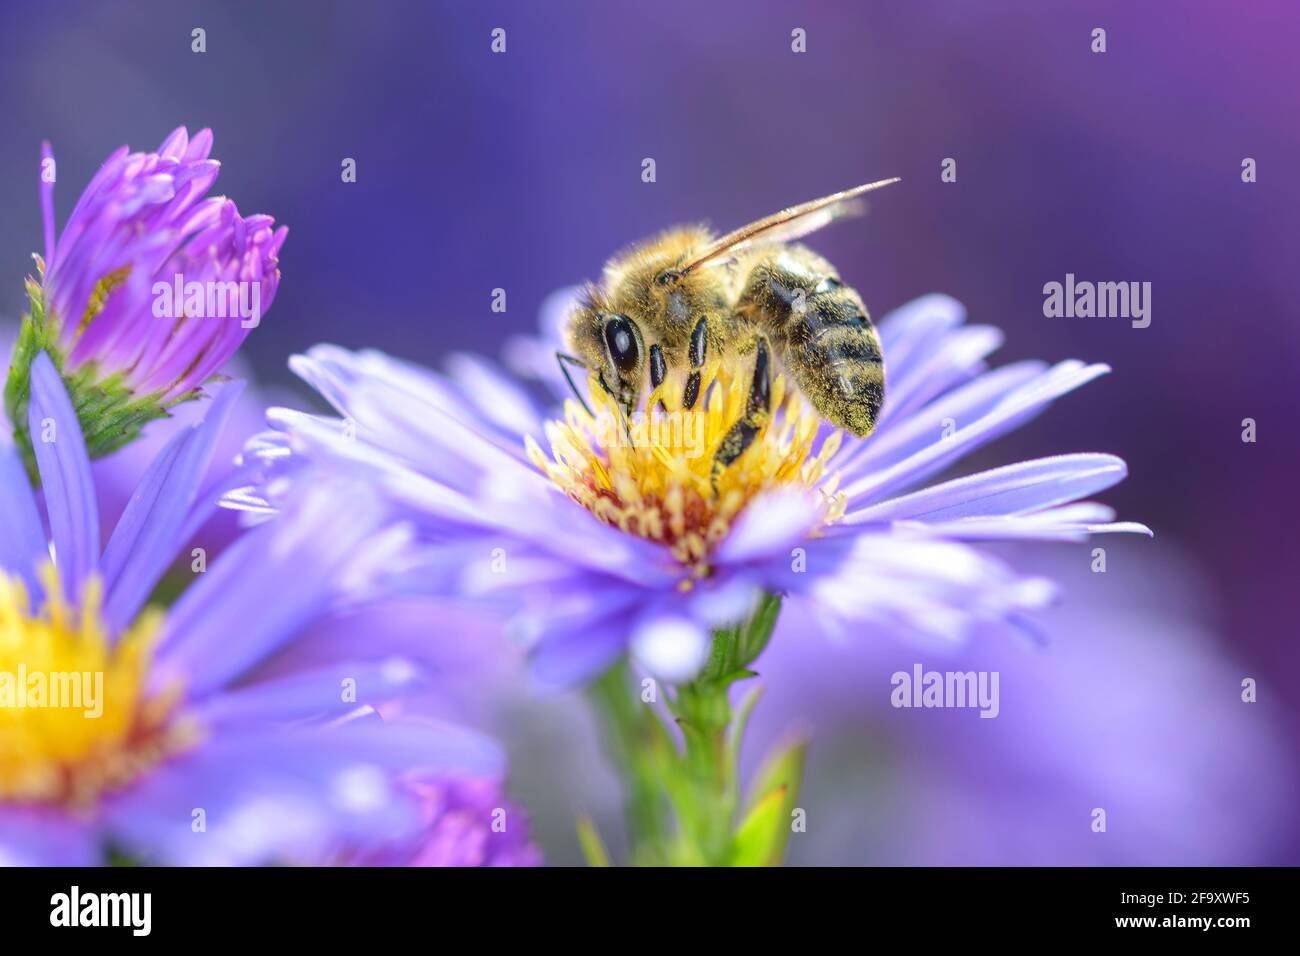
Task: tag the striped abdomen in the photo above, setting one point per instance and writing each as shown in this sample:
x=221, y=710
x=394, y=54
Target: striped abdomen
x=821, y=333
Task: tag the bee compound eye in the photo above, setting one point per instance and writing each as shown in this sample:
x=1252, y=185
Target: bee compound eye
x=621, y=341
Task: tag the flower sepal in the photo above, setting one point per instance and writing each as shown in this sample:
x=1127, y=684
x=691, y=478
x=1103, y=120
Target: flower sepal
x=111, y=414
x=735, y=648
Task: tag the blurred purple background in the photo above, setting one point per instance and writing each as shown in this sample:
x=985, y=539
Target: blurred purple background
x=522, y=171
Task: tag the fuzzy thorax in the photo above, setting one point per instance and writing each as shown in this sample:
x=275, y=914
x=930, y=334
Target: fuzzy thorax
x=76, y=719
x=654, y=476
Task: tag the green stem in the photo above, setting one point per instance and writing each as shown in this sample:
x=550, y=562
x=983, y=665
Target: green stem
x=694, y=784
x=635, y=740
x=706, y=804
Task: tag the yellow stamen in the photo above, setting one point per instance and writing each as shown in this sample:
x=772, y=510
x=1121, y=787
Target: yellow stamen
x=99, y=295
x=660, y=483
x=76, y=718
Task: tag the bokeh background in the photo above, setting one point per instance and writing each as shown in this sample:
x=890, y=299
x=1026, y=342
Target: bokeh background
x=522, y=171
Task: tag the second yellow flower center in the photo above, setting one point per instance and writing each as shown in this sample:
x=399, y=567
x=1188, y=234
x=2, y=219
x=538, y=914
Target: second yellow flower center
x=75, y=716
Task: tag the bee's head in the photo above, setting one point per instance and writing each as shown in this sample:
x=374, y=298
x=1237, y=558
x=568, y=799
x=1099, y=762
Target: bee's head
x=612, y=345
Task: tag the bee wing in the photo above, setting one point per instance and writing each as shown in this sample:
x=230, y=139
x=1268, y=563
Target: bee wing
x=787, y=225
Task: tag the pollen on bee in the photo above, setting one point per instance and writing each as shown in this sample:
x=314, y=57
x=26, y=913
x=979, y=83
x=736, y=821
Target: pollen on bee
x=652, y=473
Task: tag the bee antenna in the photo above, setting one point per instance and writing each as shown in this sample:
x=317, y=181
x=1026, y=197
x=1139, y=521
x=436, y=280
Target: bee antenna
x=564, y=361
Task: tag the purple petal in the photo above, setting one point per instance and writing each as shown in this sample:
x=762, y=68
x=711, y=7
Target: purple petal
x=771, y=524
x=200, y=146
x=915, y=330
x=294, y=795
x=533, y=356
x=65, y=475
x=938, y=591
x=43, y=837
x=571, y=648
x=672, y=649
x=318, y=694
x=1016, y=408
x=1013, y=489
x=149, y=534
x=958, y=359
x=22, y=544
x=494, y=396
x=173, y=147
x=1054, y=524
x=894, y=441
x=264, y=588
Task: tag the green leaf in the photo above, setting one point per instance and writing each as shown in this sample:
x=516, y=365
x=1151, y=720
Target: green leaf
x=782, y=767
x=593, y=847
x=739, y=723
x=760, y=837
x=781, y=771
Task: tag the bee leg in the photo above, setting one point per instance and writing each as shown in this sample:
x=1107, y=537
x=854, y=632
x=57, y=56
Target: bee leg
x=564, y=361
x=696, y=353
x=757, y=408
x=658, y=370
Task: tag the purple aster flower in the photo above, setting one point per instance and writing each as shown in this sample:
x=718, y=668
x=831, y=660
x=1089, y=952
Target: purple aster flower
x=622, y=536
x=468, y=821
x=149, y=289
x=601, y=545
x=169, y=751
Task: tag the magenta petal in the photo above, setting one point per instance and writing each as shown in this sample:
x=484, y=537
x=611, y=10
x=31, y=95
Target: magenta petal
x=146, y=213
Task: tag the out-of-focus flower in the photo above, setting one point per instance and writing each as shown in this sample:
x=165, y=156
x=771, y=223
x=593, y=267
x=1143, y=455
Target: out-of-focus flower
x=601, y=545
x=139, y=732
x=471, y=678
x=1134, y=707
x=117, y=474
x=468, y=821
x=149, y=289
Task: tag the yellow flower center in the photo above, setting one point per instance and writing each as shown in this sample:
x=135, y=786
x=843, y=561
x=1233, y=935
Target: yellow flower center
x=75, y=718
x=653, y=475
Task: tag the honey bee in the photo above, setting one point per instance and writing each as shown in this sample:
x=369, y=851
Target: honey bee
x=677, y=300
